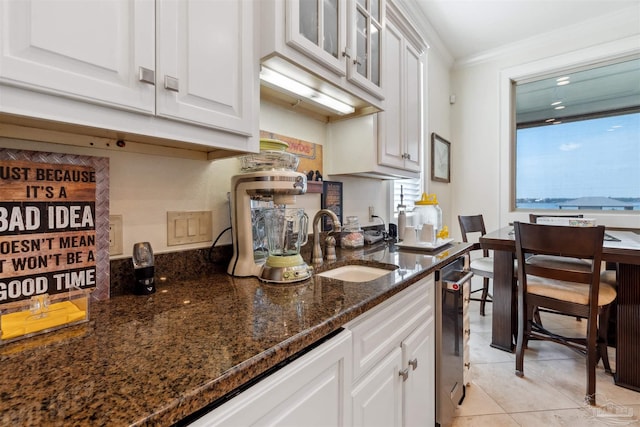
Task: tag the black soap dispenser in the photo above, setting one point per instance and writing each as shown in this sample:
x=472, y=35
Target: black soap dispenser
x=143, y=269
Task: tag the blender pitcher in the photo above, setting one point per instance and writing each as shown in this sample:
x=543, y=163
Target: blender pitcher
x=286, y=231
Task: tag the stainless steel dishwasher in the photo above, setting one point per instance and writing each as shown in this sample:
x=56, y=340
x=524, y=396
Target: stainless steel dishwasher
x=453, y=284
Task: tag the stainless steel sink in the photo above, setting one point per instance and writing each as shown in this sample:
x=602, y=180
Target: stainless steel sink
x=355, y=273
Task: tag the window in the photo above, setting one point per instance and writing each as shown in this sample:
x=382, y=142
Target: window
x=411, y=190
x=578, y=140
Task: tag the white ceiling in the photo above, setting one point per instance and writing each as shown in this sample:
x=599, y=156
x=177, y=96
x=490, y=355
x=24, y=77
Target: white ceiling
x=469, y=27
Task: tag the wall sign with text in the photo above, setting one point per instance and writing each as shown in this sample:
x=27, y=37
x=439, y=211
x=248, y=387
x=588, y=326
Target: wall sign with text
x=54, y=222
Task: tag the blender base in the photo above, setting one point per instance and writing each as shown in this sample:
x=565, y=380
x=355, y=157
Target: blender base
x=286, y=269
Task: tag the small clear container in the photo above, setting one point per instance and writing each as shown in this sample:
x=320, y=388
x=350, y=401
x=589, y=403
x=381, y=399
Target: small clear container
x=352, y=235
x=43, y=313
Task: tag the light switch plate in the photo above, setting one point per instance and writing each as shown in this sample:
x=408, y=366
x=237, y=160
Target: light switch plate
x=188, y=227
x=115, y=235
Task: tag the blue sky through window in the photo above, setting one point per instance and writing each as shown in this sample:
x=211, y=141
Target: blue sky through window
x=588, y=158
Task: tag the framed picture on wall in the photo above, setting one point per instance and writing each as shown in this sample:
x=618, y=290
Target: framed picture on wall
x=440, y=159
x=332, y=200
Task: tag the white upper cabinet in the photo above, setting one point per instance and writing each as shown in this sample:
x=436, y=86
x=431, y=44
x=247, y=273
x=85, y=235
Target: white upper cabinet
x=387, y=145
x=401, y=124
x=333, y=46
x=151, y=70
x=204, y=59
x=319, y=30
x=364, y=47
x=80, y=49
x=342, y=35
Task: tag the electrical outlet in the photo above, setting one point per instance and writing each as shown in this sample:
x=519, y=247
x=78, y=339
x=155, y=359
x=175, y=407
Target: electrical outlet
x=371, y=213
x=115, y=235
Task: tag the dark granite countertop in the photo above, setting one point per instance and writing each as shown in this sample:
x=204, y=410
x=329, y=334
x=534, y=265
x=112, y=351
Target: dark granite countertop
x=153, y=360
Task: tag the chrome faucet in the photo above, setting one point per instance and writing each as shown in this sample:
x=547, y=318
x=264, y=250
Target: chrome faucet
x=316, y=254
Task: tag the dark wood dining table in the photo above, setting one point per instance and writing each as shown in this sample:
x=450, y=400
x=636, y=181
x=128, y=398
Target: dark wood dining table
x=504, y=321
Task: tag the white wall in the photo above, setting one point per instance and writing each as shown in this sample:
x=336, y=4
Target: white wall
x=438, y=120
x=480, y=121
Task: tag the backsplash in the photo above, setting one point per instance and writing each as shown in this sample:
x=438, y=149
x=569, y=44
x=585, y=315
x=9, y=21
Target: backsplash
x=172, y=266
x=189, y=264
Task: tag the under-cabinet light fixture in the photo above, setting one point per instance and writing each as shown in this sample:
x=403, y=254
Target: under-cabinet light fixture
x=292, y=87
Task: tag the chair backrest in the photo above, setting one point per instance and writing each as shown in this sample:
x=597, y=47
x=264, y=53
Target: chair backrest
x=579, y=243
x=470, y=224
x=533, y=218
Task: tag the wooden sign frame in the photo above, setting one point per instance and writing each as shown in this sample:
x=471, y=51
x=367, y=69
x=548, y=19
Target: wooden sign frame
x=54, y=224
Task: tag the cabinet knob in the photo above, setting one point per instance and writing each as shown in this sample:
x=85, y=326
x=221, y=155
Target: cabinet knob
x=404, y=374
x=171, y=83
x=414, y=363
x=146, y=75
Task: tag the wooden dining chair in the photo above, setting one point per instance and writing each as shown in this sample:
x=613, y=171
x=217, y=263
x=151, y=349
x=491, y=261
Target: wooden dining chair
x=607, y=275
x=480, y=266
x=570, y=286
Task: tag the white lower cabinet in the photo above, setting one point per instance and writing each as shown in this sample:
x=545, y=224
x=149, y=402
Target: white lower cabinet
x=394, y=361
x=379, y=371
x=418, y=352
x=377, y=398
x=310, y=391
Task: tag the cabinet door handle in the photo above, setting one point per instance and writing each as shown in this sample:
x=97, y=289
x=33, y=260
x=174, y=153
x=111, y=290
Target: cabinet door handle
x=404, y=374
x=347, y=52
x=171, y=83
x=414, y=363
x=146, y=75
x=357, y=61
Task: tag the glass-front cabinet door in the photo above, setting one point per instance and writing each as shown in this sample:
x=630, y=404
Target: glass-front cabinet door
x=344, y=36
x=318, y=28
x=365, y=31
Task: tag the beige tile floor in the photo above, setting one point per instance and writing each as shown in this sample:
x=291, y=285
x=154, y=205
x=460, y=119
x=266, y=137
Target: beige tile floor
x=550, y=394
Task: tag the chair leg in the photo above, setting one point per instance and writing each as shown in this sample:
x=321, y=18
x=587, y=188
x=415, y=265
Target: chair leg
x=603, y=344
x=592, y=360
x=536, y=316
x=485, y=293
x=521, y=341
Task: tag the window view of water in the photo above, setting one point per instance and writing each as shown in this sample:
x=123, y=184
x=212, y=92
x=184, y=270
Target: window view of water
x=581, y=165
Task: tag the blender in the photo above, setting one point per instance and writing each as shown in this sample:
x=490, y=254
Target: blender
x=286, y=231
x=269, y=176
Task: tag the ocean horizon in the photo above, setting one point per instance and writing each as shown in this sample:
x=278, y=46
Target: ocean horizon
x=555, y=206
